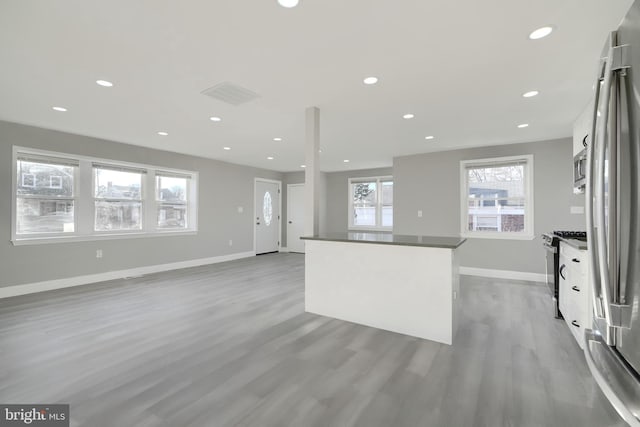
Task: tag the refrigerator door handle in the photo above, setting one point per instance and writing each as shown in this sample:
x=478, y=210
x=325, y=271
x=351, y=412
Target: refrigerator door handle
x=601, y=138
x=616, y=381
x=589, y=195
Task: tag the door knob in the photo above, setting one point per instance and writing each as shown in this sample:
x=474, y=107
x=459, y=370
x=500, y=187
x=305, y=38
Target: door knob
x=290, y=222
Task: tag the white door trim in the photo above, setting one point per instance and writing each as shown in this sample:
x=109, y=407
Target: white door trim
x=253, y=213
x=301, y=184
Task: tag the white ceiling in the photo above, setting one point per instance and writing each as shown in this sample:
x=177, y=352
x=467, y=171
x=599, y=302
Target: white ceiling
x=459, y=66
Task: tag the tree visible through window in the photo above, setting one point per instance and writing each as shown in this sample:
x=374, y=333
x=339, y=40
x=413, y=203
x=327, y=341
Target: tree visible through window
x=371, y=203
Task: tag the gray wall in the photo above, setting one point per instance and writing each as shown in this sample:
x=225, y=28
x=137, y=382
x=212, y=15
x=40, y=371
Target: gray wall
x=431, y=183
x=337, y=196
x=222, y=188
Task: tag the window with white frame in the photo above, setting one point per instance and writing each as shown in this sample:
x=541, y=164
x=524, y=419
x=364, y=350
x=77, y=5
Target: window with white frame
x=41, y=208
x=371, y=203
x=497, y=197
x=172, y=199
x=117, y=197
x=81, y=198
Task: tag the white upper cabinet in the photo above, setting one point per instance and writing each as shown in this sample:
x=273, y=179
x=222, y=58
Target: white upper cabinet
x=582, y=128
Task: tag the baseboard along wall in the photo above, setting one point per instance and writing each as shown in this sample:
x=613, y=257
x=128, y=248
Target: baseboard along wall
x=503, y=274
x=49, y=285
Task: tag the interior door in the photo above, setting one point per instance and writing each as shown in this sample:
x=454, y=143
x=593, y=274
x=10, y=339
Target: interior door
x=295, y=217
x=267, y=216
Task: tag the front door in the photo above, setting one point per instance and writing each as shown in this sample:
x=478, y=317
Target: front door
x=295, y=217
x=267, y=216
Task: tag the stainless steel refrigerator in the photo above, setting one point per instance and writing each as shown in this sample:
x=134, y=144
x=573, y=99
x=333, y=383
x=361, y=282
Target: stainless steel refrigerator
x=612, y=346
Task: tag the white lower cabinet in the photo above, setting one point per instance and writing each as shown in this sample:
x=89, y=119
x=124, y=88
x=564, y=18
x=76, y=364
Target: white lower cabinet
x=575, y=304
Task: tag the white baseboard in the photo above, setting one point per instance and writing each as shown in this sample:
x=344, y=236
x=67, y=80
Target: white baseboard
x=49, y=285
x=503, y=274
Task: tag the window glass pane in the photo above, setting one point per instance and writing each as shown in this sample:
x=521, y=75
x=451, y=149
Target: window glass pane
x=114, y=184
x=496, y=198
x=44, y=216
x=172, y=216
x=364, y=203
x=506, y=215
x=387, y=204
x=44, y=179
x=171, y=189
x=118, y=216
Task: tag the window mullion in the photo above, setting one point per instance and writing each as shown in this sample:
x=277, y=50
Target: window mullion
x=84, y=198
x=149, y=202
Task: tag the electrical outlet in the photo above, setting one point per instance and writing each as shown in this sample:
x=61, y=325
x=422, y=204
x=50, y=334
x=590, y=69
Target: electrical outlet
x=230, y=242
x=419, y=214
x=240, y=209
x=99, y=253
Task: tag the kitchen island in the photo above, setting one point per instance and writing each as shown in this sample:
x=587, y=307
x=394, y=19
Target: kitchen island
x=400, y=283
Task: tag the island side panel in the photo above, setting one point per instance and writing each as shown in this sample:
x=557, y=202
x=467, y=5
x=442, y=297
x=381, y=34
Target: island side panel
x=403, y=289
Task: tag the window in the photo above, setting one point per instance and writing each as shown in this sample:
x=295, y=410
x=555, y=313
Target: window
x=497, y=198
x=79, y=198
x=371, y=203
x=42, y=208
x=117, y=198
x=172, y=198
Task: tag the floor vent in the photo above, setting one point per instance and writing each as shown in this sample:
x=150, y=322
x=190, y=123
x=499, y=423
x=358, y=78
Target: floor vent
x=230, y=93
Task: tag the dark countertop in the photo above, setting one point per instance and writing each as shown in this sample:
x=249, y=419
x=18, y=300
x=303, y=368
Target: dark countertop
x=578, y=244
x=391, y=239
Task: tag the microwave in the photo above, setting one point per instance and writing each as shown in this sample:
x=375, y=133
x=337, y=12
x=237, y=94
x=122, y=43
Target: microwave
x=580, y=172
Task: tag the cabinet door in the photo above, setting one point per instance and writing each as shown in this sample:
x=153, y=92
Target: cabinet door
x=563, y=285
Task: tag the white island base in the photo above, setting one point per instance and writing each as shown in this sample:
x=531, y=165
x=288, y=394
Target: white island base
x=411, y=290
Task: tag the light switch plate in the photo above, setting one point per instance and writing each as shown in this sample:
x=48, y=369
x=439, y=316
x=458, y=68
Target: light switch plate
x=577, y=210
x=419, y=214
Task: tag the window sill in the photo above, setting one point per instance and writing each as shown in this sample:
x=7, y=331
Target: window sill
x=20, y=241
x=498, y=236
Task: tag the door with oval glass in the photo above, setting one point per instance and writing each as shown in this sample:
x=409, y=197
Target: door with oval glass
x=267, y=216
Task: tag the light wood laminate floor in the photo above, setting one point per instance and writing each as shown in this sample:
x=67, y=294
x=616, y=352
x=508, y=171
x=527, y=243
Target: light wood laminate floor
x=230, y=345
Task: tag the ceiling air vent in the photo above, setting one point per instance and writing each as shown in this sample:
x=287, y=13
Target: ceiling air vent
x=231, y=93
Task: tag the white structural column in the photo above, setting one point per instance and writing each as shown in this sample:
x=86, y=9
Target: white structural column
x=312, y=171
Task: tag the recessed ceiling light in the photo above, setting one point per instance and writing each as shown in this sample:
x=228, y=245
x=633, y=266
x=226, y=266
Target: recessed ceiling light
x=370, y=80
x=104, y=83
x=162, y=133
x=277, y=139
x=226, y=148
x=530, y=93
x=408, y=116
x=288, y=3
x=540, y=33
x=523, y=125
x=61, y=109
x=303, y=166
x=215, y=119
x=429, y=137
x=269, y=158
x=346, y=161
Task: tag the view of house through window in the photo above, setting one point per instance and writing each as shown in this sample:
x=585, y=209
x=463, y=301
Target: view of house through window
x=45, y=195
x=371, y=203
x=172, y=196
x=51, y=202
x=498, y=196
x=118, y=199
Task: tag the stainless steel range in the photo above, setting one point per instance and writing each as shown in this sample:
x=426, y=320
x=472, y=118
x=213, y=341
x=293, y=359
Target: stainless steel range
x=551, y=243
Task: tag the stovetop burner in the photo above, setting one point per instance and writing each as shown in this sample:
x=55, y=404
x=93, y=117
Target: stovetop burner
x=578, y=235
